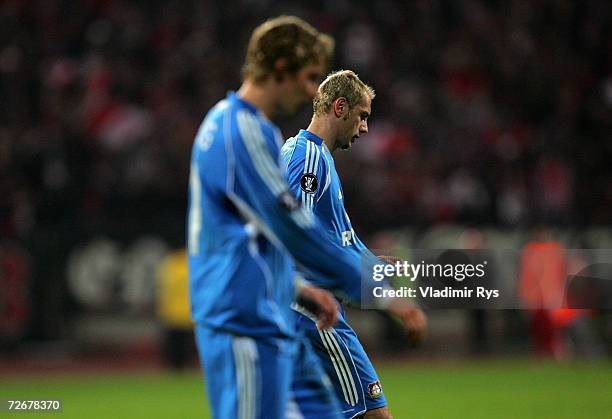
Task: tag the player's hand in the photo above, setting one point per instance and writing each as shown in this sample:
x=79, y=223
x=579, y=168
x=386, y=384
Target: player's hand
x=321, y=303
x=414, y=320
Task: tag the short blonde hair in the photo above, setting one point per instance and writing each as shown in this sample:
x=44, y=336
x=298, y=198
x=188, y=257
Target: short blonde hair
x=343, y=83
x=289, y=38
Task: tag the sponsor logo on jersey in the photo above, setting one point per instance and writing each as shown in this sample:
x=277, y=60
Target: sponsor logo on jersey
x=309, y=183
x=375, y=389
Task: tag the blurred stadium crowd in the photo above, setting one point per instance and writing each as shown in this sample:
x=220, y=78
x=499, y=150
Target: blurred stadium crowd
x=487, y=113
x=498, y=112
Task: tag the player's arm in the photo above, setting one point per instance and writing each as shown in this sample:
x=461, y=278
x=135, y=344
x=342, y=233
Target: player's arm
x=307, y=173
x=258, y=190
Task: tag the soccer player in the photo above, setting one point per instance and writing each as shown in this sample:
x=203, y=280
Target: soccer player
x=244, y=226
x=341, y=109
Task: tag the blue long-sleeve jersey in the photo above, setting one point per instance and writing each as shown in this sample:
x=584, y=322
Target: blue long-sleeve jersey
x=313, y=179
x=244, y=225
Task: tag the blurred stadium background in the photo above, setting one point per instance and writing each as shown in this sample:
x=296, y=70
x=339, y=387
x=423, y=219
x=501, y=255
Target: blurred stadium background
x=492, y=123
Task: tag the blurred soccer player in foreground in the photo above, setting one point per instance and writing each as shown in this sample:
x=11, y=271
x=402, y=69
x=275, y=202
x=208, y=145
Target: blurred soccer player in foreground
x=341, y=110
x=244, y=227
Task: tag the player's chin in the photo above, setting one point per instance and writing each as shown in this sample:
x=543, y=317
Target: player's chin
x=348, y=144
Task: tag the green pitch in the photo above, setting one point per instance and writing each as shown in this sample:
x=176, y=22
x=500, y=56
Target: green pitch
x=490, y=389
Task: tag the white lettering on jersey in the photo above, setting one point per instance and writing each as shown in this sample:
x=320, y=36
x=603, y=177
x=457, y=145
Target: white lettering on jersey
x=339, y=194
x=206, y=135
x=346, y=238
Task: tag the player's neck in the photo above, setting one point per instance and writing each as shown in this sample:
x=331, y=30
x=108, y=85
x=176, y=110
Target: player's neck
x=324, y=130
x=258, y=96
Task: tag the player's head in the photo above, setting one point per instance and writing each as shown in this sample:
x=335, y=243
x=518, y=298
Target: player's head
x=347, y=101
x=290, y=57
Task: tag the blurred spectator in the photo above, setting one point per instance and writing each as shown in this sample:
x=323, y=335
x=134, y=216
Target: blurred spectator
x=101, y=100
x=544, y=270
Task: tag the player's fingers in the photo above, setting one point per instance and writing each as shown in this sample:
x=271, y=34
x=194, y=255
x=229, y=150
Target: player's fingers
x=416, y=335
x=416, y=323
x=327, y=320
x=328, y=314
x=324, y=323
x=421, y=326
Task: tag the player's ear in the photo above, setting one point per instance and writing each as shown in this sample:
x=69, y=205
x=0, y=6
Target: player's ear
x=340, y=107
x=280, y=69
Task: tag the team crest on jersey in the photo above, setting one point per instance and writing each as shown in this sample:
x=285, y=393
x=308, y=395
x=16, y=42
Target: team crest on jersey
x=375, y=389
x=309, y=183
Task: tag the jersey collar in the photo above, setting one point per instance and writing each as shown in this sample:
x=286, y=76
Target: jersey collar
x=310, y=136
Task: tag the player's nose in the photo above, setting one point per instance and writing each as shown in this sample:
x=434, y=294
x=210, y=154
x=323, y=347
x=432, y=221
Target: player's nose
x=363, y=128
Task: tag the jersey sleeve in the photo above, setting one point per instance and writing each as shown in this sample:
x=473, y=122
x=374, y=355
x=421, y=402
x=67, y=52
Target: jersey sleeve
x=307, y=173
x=262, y=196
x=362, y=247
